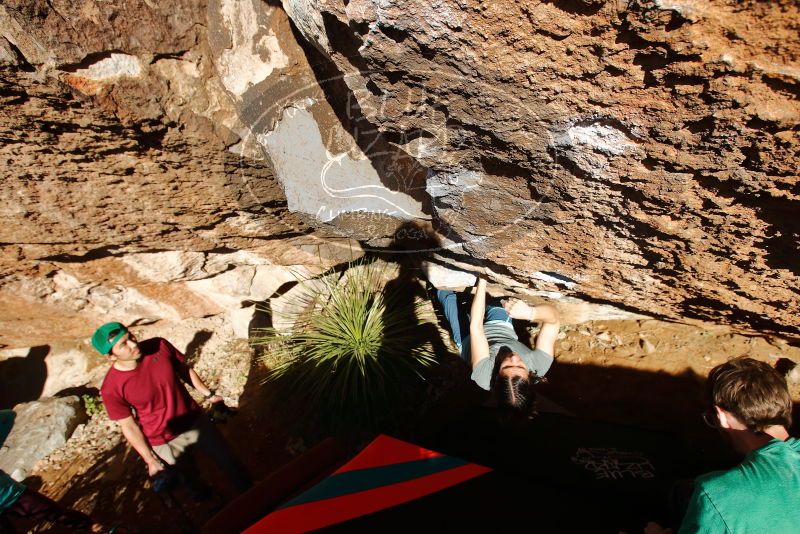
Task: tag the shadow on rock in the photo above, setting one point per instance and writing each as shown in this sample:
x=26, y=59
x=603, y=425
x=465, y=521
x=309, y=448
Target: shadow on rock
x=22, y=379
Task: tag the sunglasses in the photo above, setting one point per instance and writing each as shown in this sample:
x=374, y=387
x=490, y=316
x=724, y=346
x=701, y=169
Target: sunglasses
x=710, y=418
x=114, y=333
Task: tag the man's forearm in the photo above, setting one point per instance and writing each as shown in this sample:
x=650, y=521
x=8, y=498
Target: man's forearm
x=479, y=345
x=544, y=313
x=197, y=383
x=132, y=432
x=205, y=391
x=478, y=308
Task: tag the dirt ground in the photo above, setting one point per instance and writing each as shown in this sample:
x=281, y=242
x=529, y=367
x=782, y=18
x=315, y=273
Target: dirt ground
x=645, y=373
x=649, y=373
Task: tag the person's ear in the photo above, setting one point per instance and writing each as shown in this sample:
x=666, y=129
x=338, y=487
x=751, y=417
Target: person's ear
x=110, y=356
x=727, y=419
x=720, y=414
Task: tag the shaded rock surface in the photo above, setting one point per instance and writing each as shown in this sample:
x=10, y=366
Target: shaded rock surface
x=164, y=162
x=45, y=371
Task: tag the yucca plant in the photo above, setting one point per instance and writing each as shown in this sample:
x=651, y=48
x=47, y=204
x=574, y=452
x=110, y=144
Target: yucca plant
x=354, y=354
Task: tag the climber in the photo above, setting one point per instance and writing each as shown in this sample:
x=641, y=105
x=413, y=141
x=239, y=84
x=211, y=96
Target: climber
x=500, y=362
x=146, y=378
x=751, y=407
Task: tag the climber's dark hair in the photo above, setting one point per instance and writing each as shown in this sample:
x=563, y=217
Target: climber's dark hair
x=515, y=396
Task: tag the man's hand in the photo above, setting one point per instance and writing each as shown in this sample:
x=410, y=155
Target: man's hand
x=655, y=528
x=132, y=432
x=215, y=399
x=481, y=271
x=154, y=466
x=518, y=309
x=544, y=314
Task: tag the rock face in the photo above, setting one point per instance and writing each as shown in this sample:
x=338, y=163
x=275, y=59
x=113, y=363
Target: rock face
x=646, y=150
x=126, y=189
x=40, y=427
x=173, y=160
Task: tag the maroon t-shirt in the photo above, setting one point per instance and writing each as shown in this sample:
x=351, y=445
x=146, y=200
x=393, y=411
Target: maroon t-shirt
x=154, y=390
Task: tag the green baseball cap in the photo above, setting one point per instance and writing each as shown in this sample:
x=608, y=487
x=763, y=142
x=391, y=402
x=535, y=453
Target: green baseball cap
x=106, y=336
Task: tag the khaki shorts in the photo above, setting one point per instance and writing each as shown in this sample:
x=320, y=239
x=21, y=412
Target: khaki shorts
x=204, y=436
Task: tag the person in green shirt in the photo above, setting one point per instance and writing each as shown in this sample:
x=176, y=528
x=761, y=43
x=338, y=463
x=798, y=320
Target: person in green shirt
x=18, y=500
x=10, y=491
x=752, y=408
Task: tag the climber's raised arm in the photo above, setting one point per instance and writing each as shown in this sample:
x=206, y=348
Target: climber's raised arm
x=479, y=345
